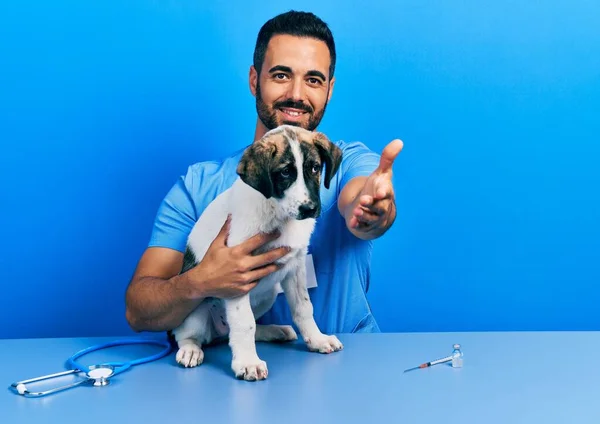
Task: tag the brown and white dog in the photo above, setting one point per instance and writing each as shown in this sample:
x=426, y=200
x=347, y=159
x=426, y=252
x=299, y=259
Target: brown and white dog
x=277, y=189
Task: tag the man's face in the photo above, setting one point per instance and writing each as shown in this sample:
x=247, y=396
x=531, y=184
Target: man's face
x=293, y=87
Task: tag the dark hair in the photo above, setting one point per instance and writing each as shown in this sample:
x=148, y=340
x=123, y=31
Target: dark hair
x=300, y=24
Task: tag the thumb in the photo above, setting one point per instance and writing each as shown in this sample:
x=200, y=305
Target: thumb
x=221, y=238
x=383, y=187
x=389, y=154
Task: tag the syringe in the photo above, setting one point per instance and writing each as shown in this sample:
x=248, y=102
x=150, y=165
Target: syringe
x=455, y=358
x=430, y=363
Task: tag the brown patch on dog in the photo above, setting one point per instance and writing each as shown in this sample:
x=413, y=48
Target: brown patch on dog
x=329, y=153
x=255, y=165
x=262, y=159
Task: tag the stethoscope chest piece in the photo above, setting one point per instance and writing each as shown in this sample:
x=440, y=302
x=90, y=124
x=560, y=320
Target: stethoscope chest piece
x=100, y=374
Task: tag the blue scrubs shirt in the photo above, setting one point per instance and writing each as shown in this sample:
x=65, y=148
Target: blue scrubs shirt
x=341, y=260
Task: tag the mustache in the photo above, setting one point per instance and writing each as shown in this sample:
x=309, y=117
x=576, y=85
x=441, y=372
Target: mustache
x=294, y=105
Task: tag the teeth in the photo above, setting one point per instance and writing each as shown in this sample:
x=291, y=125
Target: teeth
x=292, y=113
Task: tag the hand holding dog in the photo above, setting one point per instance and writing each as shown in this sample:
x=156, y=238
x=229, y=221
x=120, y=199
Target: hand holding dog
x=227, y=272
x=375, y=209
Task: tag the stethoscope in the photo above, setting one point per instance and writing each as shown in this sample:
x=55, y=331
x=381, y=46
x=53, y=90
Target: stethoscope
x=98, y=375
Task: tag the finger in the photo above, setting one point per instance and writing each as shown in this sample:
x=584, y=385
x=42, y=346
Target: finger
x=257, y=241
x=353, y=222
x=268, y=257
x=244, y=287
x=389, y=154
x=368, y=218
x=221, y=238
x=365, y=215
x=361, y=211
x=367, y=225
x=362, y=226
x=255, y=275
x=379, y=208
x=365, y=200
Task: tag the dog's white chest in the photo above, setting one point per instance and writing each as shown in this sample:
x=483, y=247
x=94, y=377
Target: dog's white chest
x=295, y=234
x=311, y=276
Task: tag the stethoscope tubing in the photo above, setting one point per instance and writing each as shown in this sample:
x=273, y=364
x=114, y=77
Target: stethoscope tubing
x=120, y=366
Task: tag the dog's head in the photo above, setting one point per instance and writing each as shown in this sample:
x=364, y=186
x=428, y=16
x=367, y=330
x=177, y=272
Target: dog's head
x=286, y=164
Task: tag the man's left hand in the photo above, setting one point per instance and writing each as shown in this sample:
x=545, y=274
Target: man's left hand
x=375, y=210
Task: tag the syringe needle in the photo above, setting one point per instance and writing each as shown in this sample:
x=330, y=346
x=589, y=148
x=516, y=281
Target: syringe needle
x=412, y=369
x=430, y=363
x=419, y=367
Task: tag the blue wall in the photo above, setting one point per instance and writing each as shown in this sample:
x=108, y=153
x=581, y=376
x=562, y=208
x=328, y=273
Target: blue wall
x=104, y=104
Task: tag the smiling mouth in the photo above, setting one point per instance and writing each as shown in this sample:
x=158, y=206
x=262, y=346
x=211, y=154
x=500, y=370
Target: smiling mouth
x=292, y=113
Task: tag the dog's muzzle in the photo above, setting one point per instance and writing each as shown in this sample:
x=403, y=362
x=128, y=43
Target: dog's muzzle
x=308, y=210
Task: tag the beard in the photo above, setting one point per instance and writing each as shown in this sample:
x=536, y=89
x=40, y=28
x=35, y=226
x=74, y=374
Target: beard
x=268, y=116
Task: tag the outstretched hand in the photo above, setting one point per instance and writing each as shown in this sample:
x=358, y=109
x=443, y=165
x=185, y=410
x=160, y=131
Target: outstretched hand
x=376, y=209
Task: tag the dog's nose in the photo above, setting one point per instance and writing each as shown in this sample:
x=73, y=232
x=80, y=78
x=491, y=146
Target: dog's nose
x=307, y=210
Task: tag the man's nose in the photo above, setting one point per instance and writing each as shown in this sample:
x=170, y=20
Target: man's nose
x=296, y=90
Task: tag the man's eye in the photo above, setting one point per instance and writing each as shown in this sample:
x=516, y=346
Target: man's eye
x=279, y=76
x=314, y=81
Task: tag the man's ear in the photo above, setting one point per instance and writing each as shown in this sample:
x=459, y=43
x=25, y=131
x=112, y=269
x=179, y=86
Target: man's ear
x=255, y=167
x=253, y=80
x=330, y=91
x=330, y=154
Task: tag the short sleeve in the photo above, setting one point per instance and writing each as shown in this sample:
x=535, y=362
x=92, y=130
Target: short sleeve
x=358, y=160
x=176, y=215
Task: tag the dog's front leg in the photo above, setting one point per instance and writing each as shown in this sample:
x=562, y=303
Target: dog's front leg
x=296, y=293
x=242, y=328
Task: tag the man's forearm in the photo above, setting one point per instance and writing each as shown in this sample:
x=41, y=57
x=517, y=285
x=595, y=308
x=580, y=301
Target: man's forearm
x=156, y=304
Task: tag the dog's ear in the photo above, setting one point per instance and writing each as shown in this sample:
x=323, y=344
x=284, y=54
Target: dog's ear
x=330, y=154
x=254, y=167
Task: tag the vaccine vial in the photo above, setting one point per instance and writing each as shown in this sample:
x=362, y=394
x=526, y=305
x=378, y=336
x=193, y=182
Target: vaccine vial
x=457, y=356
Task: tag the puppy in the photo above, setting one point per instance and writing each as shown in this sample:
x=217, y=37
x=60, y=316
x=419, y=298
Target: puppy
x=277, y=188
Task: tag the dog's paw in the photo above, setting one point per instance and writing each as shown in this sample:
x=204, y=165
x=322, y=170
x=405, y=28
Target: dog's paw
x=275, y=333
x=190, y=355
x=324, y=344
x=250, y=370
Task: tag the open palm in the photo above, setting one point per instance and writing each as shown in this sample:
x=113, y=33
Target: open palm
x=376, y=204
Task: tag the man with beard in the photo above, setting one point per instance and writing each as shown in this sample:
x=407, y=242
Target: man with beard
x=292, y=79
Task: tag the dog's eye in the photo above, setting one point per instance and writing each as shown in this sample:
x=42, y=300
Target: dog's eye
x=285, y=172
x=316, y=168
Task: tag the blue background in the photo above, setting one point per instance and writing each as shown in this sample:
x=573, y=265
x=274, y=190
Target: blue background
x=104, y=104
